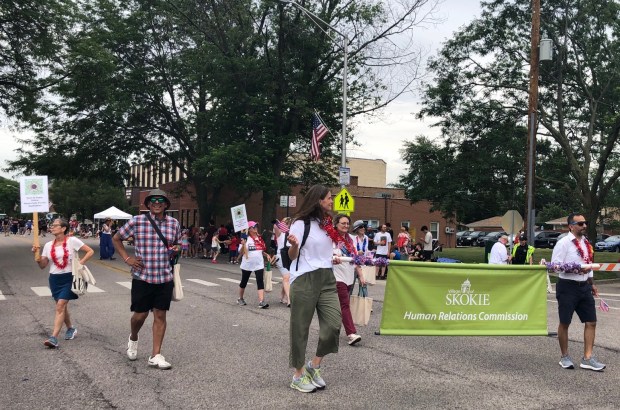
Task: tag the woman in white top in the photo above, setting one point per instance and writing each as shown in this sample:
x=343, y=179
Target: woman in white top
x=345, y=275
x=313, y=287
x=61, y=252
x=253, y=251
x=279, y=235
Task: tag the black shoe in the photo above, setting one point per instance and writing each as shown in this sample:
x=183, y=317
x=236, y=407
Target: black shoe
x=112, y=259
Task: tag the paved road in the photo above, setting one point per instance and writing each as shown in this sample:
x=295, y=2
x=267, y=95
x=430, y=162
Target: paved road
x=227, y=356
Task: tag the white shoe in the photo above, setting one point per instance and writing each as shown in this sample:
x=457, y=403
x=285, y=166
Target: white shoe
x=354, y=338
x=132, y=349
x=159, y=361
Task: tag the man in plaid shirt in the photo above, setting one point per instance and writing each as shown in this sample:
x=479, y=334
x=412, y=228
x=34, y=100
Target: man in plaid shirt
x=152, y=284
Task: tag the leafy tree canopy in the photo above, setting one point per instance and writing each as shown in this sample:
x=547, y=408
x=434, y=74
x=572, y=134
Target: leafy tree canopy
x=483, y=72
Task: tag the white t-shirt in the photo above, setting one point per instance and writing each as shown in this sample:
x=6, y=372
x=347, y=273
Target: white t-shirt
x=499, y=254
x=428, y=242
x=383, y=241
x=73, y=245
x=280, y=242
x=317, y=251
x=565, y=251
x=345, y=271
x=254, y=261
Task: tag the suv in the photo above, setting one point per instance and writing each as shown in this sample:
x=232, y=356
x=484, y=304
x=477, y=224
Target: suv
x=546, y=239
x=490, y=236
x=470, y=240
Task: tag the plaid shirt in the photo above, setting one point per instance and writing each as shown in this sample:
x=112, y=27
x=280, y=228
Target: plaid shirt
x=150, y=248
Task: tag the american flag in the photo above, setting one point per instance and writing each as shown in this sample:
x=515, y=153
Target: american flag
x=282, y=226
x=318, y=132
x=603, y=306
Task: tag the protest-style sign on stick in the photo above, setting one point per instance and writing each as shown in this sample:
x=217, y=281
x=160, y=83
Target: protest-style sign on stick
x=34, y=197
x=239, y=217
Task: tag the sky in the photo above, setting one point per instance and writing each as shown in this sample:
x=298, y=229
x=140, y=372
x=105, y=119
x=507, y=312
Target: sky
x=379, y=137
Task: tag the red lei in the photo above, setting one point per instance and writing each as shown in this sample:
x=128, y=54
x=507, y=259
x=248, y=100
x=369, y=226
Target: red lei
x=65, y=256
x=590, y=257
x=341, y=240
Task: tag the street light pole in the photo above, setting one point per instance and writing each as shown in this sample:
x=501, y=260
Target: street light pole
x=345, y=45
x=530, y=172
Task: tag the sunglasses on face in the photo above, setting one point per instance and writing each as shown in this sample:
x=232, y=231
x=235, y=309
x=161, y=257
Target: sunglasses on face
x=158, y=200
x=580, y=223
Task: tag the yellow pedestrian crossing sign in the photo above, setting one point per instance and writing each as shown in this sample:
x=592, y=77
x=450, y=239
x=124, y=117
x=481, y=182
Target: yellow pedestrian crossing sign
x=344, y=202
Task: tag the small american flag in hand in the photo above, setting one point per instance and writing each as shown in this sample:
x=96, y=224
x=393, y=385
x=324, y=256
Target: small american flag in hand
x=282, y=226
x=603, y=305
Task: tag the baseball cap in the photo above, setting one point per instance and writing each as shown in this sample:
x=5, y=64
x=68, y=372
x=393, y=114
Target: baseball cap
x=252, y=224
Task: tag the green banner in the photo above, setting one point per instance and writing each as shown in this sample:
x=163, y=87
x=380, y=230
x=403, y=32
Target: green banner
x=423, y=298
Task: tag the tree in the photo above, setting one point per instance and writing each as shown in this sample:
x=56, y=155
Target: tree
x=484, y=67
x=85, y=197
x=221, y=89
x=32, y=33
x=9, y=196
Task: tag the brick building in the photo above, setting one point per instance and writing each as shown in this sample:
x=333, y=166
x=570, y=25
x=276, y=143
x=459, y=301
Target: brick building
x=373, y=204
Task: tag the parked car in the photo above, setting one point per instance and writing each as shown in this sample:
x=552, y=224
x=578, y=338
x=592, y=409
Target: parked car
x=601, y=237
x=470, y=240
x=490, y=236
x=611, y=244
x=553, y=241
x=460, y=235
x=541, y=239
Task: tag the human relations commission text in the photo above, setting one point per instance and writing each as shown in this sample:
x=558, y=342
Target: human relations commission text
x=465, y=316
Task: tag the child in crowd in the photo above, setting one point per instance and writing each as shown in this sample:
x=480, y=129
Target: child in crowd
x=233, y=249
x=184, y=244
x=215, y=248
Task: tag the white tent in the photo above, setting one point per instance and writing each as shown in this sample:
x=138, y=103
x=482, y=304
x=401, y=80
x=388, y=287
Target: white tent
x=113, y=213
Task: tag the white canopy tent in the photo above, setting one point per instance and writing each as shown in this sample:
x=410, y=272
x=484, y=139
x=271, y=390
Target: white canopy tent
x=113, y=213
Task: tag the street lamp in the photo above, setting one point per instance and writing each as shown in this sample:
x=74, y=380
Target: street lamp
x=345, y=42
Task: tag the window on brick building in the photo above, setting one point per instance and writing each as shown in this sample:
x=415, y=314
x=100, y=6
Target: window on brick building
x=434, y=228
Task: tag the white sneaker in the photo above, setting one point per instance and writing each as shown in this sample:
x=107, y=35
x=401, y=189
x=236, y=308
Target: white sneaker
x=354, y=338
x=132, y=349
x=159, y=361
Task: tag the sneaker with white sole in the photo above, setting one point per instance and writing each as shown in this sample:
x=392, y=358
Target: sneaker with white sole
x=132, y=349
x=566, y=362
x=159, y=361
x=263, y=305
x=591, y=364
x=354, y=338
x=241, y=302
x=70, y=334
x=51, y=342
x=315, y=376
x=303, y=384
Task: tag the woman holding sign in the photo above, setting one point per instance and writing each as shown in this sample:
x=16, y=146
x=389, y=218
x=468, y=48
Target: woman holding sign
x=60, y=252
x=253, y=249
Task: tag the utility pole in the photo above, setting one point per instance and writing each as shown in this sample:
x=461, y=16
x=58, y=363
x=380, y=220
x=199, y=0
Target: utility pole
x=530, y=172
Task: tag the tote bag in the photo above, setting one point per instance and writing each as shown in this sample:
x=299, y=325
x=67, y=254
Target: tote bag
x=177, y=291
x=80, y=281
x=369, y=273
x=267, y=278
x=361, y=306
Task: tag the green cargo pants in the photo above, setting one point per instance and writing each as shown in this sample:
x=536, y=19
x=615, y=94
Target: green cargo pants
x=314, y=290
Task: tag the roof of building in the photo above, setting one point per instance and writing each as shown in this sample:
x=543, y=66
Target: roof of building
x=493, y=222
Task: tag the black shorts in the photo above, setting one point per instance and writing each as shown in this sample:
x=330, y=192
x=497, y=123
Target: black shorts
x=574, y=297
x=148, y=296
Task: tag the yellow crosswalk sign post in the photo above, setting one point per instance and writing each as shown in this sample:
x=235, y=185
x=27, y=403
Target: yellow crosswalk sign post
x=344, y=202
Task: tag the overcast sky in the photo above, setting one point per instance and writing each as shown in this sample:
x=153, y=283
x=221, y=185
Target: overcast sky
x=380, y=137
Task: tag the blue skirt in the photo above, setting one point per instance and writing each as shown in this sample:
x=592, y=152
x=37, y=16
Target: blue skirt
x=60, y=285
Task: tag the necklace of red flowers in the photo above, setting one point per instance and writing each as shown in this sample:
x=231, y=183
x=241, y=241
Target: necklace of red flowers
x=65, y=254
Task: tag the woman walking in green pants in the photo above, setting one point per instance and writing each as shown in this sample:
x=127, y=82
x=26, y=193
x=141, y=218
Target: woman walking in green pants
x=313, y=287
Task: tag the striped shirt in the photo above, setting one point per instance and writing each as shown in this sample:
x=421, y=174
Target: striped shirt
x=150, y=248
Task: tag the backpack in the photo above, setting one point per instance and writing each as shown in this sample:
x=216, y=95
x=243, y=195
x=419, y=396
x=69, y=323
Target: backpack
x=286, y=260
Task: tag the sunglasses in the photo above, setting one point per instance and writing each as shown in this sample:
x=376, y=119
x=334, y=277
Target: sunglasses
x=158, y=200
x=580, y=223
